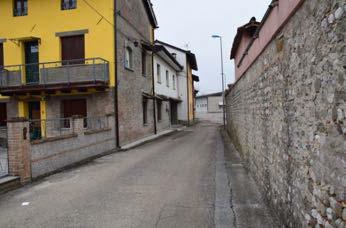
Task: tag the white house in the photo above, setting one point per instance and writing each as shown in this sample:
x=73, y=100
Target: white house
x=166, y=70
x=185, y=81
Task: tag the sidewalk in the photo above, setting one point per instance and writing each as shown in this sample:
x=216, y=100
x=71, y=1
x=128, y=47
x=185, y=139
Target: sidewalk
x=151, y=138
x=247, y=205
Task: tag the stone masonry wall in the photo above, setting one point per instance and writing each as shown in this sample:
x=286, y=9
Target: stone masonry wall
x=286, y=116
x=133, y=28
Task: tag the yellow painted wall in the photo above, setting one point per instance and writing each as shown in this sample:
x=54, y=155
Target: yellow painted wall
x=190, y=95
x=45, y=18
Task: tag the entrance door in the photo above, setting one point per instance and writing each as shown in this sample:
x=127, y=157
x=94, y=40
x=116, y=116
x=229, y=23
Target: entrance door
x=174, y=112
x=3, y=114
x=73, y=50
x=34, y=109
x=1, y=55
x=31, y=61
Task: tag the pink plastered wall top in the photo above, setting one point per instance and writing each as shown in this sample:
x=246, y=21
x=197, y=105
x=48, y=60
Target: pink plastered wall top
x=277, y=18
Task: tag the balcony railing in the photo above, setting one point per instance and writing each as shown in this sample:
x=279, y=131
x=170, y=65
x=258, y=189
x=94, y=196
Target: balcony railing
x=95, y=70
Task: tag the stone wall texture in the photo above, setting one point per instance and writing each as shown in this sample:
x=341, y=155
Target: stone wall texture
x=286, y=116
x=133, y=28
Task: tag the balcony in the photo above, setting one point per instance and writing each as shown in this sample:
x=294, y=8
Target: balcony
x=50, y=77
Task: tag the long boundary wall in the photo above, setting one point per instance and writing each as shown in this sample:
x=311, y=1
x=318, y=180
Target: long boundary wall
x=286, y=116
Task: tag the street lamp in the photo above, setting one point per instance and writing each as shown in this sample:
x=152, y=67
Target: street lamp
x=223, y=81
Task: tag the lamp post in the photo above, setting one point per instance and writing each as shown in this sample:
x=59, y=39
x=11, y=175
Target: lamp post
x=223, y=81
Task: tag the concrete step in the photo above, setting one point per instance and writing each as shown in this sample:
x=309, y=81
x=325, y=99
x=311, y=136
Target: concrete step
x=9, y=183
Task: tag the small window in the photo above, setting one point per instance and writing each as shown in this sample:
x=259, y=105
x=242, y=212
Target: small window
x=144, y=63
x=68, y=4
x=20, y=8
x=71, y=108
x=174, y=83
x=128, y=58
x=145, y=111
x=167, y=78
x=159, y=110
x=158, y=72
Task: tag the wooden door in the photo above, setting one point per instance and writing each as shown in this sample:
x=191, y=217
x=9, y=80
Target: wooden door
x=1, y=55
x=73, y=50
x=34, y=109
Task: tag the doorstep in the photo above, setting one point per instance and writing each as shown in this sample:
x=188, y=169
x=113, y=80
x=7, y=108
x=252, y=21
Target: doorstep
x=9, y=183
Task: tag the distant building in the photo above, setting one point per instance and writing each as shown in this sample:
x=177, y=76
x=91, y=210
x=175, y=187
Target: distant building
x=185, y=79
x=209, y=107
x=166, y=70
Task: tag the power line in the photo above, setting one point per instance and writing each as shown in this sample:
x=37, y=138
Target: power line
x=97, y=12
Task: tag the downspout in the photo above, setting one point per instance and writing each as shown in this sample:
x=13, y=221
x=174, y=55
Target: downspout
x=116, y=109
x=188, y=95
x=153, y=84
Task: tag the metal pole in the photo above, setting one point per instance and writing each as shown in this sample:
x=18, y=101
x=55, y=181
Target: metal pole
x=223, y=86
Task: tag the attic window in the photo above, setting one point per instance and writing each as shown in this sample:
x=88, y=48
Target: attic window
x=68, y=4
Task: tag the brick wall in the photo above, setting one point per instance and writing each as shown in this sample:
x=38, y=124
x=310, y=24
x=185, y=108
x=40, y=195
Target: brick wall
x=286, y=116
x=51, y=155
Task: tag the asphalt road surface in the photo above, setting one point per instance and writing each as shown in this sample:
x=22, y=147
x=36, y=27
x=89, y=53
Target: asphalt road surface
x=178, y=181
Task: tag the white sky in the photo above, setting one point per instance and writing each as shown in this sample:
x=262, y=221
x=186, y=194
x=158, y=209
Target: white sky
x=193, y=22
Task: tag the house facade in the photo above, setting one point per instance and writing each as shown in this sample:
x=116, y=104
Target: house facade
x=186, y=80
x=166, y=69
x=53, y=64
x=76, y=81
x=136, y=23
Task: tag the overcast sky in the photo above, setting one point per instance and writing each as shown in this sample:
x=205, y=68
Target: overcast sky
x=193, y=22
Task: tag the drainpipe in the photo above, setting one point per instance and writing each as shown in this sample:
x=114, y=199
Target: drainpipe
x=116, y=109
x=188, y=95
x=153, y=84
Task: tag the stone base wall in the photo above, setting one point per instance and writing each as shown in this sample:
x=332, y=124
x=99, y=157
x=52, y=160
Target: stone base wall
x=51, y=155
x=286, y=116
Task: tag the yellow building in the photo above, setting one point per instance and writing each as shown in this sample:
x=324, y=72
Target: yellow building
x=57, y=59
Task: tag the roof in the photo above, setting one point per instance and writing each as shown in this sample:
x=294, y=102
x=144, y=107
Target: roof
x=250, y=28
x=191, y=57
x=150, y=11
x=167, y=56
x=210, y=95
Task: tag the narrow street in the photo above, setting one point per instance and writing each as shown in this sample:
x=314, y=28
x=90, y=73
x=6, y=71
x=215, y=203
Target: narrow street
x=178, y=181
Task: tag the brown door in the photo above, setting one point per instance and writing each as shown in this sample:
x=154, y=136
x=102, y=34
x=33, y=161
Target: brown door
x=1, y=55
x=174, y=112
x=3, y=114
x=73, y=50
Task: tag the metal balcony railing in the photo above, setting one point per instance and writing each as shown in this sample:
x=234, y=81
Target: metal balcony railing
x=60, y=72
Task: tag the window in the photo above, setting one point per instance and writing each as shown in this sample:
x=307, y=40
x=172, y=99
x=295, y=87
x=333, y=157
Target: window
x=128, y=58
x=73, y=49
x=68, y=4
x=167, y=78
x=144, y=63
x=159, y=110
x=71, y=108
x=158, y=72
x=1, y=55
x=145, y=111
x=174, y=85
x=20, y=8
